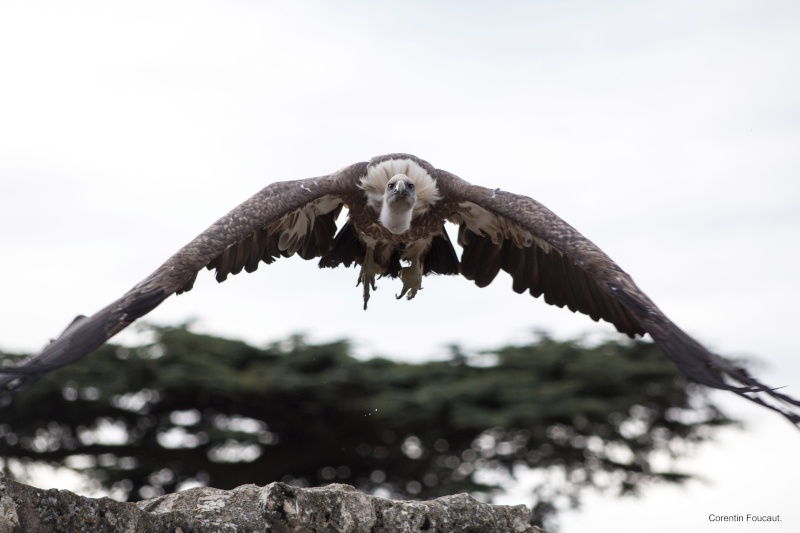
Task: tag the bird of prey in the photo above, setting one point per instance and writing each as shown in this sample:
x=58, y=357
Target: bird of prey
x=397, y=207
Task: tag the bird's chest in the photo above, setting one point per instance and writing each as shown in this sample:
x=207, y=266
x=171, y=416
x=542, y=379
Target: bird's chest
x=367, y=224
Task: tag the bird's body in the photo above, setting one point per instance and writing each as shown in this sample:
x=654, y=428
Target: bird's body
x=554, y=260
x=397, y=207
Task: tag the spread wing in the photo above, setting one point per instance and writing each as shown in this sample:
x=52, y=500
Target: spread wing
x=280, y=220
x=547, y=257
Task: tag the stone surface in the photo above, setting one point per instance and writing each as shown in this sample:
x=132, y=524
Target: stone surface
x=275, y=508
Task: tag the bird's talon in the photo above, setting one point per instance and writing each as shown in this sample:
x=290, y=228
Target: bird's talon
x=368, y=279
x=412, y=281
x=367, y=276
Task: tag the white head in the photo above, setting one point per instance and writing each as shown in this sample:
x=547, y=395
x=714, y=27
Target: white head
x=399, y=189
x=398, y=204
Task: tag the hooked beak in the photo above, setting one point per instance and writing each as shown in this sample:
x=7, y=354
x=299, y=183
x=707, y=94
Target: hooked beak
x=399, y=188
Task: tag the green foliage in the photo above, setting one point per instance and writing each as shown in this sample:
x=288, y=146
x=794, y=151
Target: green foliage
x=191, y=408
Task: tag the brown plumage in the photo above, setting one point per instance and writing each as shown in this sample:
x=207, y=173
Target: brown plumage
x=397, y=206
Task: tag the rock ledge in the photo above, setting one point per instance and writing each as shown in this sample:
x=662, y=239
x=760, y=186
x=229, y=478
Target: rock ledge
x=275, y=508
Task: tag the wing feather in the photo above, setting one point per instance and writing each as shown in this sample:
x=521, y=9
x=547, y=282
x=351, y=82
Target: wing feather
x=231, y=244
x=568, y=269
x=303, y=232
x=491, y=243
x=441, y=258
x=513, y=261
x=347, y=249
x=480, y=260
x=256, y=246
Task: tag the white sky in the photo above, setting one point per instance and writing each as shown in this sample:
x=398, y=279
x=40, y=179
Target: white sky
x=667, y=132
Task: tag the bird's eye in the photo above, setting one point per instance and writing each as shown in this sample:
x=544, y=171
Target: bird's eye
x=391, y=185
x=410, y=185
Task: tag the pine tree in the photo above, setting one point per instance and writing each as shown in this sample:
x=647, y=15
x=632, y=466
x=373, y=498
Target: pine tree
x=194, y=409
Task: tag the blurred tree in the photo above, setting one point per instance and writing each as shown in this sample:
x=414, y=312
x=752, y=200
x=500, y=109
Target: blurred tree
x=193, y=409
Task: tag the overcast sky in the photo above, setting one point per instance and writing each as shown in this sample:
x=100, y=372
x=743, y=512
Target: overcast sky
x=666, y=132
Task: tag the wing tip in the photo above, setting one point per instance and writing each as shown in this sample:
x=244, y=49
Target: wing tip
x=709, y=369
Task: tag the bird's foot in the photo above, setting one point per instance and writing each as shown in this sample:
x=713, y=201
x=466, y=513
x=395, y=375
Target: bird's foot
x=412, y=281
x=367, y=276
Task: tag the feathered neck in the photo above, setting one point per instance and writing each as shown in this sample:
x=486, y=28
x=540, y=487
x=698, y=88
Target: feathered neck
x=374, y=184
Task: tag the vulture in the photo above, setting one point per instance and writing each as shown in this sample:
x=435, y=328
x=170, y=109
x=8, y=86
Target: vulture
x=397, y=207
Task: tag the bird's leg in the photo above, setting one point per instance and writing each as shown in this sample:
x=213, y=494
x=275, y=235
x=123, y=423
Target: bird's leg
x=367, y=274
x=412, y=279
